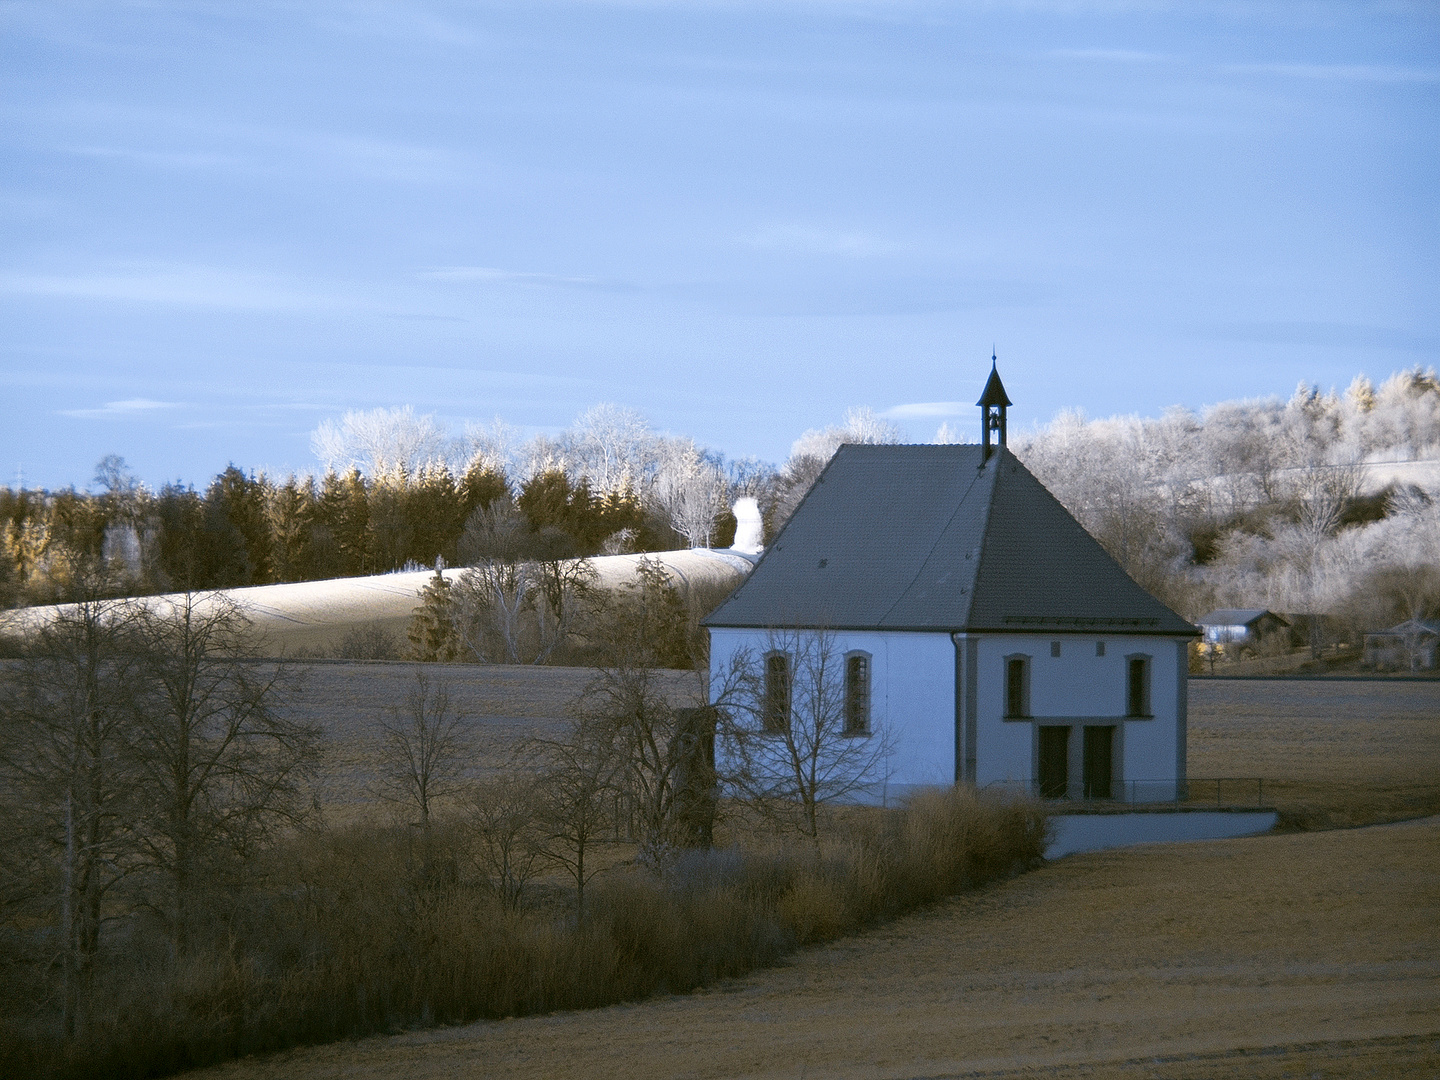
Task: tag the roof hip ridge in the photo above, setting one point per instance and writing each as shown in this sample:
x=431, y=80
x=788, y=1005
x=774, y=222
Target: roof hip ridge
x=940, y=535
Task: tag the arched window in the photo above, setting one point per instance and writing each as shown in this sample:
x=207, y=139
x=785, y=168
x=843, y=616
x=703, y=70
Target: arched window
x=857, y=693
x=776, y=706
x=1137, y=685
x=1017, y=686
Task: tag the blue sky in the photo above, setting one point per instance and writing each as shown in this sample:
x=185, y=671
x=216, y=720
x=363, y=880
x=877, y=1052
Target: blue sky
x=225, y=222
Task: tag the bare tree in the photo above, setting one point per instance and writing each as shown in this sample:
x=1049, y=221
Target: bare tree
x=503, y=816
x=223, y=767
x=579, y=778
x=425, y=752
x=692, y=489
x=612, y=446
x=521, y=597
x=67, y=773
x=627, y=711
x=566, y=592
x=499, y=586
x=792, y=739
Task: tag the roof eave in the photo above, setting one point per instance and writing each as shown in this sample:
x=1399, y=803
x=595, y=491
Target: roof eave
x=1039, y=631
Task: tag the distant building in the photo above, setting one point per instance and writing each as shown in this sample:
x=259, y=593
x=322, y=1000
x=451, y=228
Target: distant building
x=1239, y=626
x=1411, y=646
x=970, y=615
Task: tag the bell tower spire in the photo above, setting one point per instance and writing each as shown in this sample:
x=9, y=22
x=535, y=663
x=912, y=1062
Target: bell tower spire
x=993, y=403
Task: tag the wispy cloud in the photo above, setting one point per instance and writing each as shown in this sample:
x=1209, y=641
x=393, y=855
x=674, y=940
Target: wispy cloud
x=917, y=410
x=186, y=286
x=810, y=240
x=402, y=22
x=492, y=275
x=162, y=159
x=1378, y=73
x=129, y=409
x=1112, y=56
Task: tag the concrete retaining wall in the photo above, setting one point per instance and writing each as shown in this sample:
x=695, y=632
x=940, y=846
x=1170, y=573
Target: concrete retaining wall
x=1095, y=832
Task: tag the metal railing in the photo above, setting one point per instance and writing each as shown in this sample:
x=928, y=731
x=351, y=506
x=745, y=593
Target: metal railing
x=1192, y=793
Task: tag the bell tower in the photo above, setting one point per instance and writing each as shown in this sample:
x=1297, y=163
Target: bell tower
x=993, y=403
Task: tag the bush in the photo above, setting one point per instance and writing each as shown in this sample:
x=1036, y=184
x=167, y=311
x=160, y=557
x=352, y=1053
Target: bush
x=347, y=937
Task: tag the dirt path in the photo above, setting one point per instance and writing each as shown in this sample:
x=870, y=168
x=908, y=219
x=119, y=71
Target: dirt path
x=1309, y=954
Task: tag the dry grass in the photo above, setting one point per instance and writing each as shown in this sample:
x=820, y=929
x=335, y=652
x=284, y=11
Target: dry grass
x=1291, y=955
x=348, y=932
x=504, y=706
x=1332, y=753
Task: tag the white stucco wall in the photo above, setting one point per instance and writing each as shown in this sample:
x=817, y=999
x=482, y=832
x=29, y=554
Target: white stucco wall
x=1078, y=687
x=913, y=698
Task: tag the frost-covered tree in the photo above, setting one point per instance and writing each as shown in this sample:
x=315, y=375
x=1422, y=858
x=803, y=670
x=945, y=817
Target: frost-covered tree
x=613, y=447
x=812, y=451
x=691, y=488
x=381, y=441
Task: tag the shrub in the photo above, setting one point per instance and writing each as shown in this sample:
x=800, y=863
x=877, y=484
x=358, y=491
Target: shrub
x=349, y=937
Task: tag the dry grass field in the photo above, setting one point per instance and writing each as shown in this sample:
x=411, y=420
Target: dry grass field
x=1298, y=955
x=503, y=705
x=1332, y=752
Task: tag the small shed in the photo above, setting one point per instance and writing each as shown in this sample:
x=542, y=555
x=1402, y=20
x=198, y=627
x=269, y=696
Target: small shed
x=1239, y=626
x=1411, y=646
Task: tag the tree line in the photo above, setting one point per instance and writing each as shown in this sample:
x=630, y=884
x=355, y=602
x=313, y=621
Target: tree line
x=1255, y=503
x=1264, y=503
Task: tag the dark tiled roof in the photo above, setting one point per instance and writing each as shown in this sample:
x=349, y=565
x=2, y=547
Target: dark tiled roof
x=924, y=538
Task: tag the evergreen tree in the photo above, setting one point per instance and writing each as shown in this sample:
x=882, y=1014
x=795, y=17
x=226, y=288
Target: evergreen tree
x=479, y=487
x=652, y=621
x=343, y=520
x=179, y=517
x=237, y=537
x=551, y=503
x=432, y=633
x=289, y=512
x=390, y=525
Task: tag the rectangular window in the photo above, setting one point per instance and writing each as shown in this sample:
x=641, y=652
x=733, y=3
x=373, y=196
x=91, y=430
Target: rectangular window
x=1054, y=648
x=1137, y=688
x=776, y=716
x=1017, y=686
x=1099, y=648
x=857, y=694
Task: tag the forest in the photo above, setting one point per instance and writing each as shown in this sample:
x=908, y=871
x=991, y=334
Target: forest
x=1278, y=503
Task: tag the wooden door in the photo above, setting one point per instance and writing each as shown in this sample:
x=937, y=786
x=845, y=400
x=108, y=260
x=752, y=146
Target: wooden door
x=1099, y=744
x=1054, y=762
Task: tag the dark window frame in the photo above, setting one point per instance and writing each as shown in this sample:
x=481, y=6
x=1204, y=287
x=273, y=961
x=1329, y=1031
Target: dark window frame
x=1017, y=686
x=1139, y=674
x=858, y=691
x=777, y=701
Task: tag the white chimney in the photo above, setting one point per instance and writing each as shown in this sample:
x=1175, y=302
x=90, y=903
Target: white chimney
x=749, y=528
